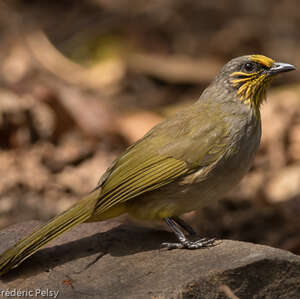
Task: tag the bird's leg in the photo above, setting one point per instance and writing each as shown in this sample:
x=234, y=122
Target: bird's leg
x=183, y=241
x=185, y=226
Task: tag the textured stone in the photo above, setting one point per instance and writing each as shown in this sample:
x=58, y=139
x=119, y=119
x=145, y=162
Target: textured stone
x=111, y=260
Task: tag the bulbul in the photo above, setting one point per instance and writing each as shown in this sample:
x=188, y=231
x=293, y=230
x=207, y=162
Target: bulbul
x=183, y=163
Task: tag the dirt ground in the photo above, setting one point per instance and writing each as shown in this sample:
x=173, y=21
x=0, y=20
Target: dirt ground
x=79, y=82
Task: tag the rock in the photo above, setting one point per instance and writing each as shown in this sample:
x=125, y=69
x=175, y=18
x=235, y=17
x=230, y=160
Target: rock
x=113, y=260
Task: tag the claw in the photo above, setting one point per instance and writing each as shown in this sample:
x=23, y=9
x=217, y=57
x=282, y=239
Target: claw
x=186, y=244
x=170, y=246
x=183, y=241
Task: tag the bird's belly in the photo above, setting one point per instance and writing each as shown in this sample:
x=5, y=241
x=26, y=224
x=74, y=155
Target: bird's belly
x=178, y=198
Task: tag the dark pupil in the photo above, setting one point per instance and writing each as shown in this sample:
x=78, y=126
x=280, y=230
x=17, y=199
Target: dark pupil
x=249, y=67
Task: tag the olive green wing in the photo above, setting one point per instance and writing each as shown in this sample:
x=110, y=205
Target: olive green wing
x=172, y=149
x=151, y=175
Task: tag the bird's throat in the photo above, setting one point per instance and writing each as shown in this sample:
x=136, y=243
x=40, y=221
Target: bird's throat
x=252, y=90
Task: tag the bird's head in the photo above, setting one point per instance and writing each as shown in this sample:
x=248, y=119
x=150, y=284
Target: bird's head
x=249, y=77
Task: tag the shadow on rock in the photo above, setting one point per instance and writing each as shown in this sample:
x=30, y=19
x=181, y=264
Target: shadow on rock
x=119, y=241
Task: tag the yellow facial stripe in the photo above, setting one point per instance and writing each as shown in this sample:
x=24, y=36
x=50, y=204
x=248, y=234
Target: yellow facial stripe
x=242, y=77
x=236, y=74
x=266, y=61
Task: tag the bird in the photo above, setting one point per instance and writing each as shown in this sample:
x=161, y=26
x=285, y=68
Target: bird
x=181, y=164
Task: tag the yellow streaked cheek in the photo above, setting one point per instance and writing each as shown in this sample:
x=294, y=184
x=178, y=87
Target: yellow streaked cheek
x=253, y=91
x=241, y=77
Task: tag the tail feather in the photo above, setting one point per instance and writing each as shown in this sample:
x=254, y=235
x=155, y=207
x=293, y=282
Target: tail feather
x=79, y=213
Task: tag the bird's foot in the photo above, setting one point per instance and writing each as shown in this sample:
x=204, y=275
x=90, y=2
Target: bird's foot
x=187, y=244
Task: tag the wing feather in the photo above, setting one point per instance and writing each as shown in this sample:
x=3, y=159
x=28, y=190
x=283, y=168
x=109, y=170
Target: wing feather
x=149, y=178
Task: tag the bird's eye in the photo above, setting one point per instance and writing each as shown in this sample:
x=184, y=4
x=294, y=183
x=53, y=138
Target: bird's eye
x=249, y=67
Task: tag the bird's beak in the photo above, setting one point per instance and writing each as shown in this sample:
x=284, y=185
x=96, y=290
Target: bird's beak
x=280, y=67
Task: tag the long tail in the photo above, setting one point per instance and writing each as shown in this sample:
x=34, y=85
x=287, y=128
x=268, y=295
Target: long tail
x=79, y=213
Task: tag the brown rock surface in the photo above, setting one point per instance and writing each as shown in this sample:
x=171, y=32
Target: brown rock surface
x=111, y=260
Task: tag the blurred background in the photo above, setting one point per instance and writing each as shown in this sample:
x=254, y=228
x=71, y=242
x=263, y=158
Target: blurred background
x=82, y=80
